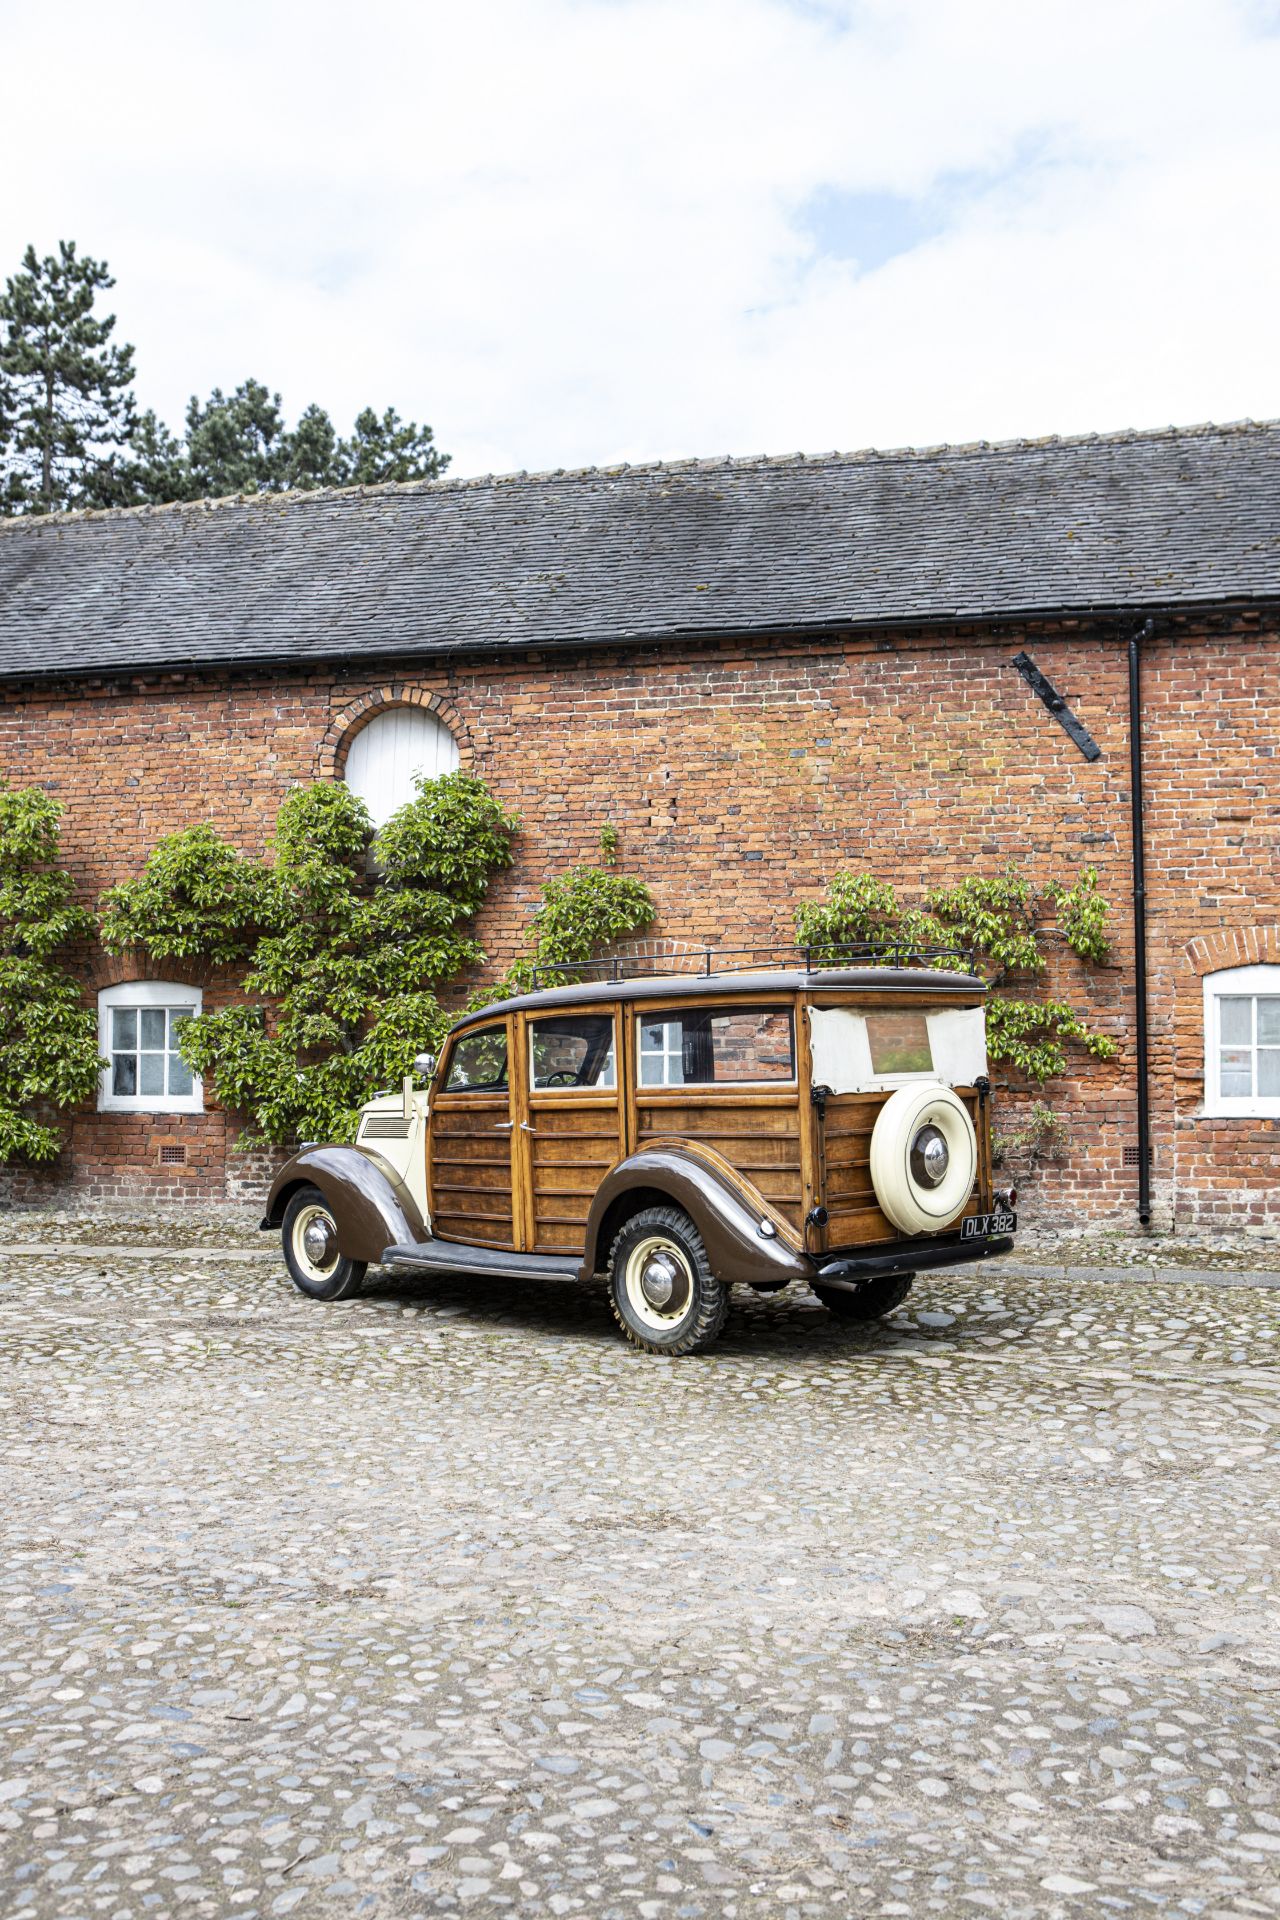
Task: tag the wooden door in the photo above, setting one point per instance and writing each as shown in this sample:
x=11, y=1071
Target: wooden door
x=724, y=1074
x=571, y=1130
x=470, y=1156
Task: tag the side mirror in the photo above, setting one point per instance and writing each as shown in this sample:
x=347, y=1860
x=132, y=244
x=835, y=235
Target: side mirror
x=424, y=1065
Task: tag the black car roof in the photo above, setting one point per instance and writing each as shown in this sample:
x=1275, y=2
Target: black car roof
x=669, y=988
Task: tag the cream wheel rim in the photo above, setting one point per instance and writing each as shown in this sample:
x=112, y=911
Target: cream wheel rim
x=315, y=1243
x=657, y=1280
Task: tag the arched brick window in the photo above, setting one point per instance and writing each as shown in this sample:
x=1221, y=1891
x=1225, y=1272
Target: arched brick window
x=388, y=754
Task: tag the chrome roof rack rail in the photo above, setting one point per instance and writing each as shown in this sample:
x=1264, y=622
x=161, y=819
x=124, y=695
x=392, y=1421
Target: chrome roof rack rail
x=709, y=962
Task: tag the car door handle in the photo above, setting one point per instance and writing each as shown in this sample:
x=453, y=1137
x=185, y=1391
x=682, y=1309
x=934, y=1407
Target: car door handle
x=503, y=1126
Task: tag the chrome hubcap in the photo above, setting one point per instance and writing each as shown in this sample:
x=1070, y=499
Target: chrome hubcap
x=659, y=1279
x=930, y=1157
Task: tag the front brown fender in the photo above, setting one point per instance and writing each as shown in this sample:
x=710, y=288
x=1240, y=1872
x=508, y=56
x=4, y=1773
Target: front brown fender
x=371, y=1204
x=726, y=1212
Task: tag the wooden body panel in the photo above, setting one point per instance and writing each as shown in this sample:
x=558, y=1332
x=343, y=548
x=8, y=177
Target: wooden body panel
x=572, y=1144
x=470, y=1153
x=469, y=1169
x=757, y=1133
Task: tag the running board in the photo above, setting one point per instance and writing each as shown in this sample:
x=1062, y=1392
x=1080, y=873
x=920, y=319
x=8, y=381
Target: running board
x=444, y=1256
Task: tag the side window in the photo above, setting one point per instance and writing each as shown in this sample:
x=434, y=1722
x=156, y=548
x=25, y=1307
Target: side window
x=704, y=1048
x=139, y=1026
x=478, y=1063
x=1242, y=1041
x=573, y=1051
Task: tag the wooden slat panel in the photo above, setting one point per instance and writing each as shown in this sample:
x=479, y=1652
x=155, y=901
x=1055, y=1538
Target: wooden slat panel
x=475, y=1231
x=473, y=1179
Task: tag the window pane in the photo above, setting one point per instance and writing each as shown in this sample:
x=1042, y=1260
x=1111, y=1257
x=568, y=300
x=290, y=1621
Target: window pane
x=899, y=1043
x=124, y=1028
x=1237, y=1073
x=1268, y=1021
x=152, y=1020
x=703, y=1048
x=1237, y=1020
x=575, y=1052
x=479, y=1061
x=124, y=1074
x=180, y=1076
x=151, y=1074
x=752, y=1046
x=1269, y=1071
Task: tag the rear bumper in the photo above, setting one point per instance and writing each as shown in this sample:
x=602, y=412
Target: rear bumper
x=851, y=1270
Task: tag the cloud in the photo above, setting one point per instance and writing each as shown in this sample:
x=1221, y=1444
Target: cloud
x=575, y=231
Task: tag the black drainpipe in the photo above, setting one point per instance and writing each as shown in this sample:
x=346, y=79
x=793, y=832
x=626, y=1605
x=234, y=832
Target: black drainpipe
x=1140, y=922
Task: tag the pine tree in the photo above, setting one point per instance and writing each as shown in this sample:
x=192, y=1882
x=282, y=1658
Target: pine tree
x=66, y=409
x=390, y=449
x=312, y=452
x=237, y=443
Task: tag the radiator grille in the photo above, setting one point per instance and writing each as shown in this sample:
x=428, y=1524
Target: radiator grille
x=385, y=1126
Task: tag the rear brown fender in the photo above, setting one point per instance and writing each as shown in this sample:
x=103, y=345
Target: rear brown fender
x=726, y=1212
x=371, y=1204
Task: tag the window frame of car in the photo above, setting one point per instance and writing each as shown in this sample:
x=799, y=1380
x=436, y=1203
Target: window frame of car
x=461, y=1040
x=606, y=1091
x=666, y=1015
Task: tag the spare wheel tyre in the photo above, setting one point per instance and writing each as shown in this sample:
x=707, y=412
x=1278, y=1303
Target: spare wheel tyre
x=924, y=1157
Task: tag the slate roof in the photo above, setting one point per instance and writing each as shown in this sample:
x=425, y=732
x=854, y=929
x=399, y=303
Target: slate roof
x=1184, y=518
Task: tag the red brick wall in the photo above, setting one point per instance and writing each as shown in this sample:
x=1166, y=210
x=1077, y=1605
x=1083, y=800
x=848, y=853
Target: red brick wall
x=740, y=776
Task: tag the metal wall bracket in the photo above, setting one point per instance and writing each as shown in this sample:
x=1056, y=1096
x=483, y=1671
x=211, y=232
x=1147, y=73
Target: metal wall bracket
x=1045, y=689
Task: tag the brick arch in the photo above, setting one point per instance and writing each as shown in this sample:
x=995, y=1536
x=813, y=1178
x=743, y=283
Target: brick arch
x=331, y=754
x=124, y=969
x=1233, y=947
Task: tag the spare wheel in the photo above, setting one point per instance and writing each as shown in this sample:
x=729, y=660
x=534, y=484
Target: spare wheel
x=924, y=1157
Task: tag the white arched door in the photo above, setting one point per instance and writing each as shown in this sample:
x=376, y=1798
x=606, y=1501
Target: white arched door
x=387, y=756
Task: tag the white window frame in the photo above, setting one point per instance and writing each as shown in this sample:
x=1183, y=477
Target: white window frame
x=1249, y=982
x=669, y=1051
x=144, y=994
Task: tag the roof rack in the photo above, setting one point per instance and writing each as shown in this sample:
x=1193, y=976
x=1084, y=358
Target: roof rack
x=710, y=961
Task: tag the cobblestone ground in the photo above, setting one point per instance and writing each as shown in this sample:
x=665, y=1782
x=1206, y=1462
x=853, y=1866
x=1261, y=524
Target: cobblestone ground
x=446, y=1600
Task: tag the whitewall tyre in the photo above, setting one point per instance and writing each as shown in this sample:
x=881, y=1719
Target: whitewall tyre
x=310, y=1237
x=924, y=1158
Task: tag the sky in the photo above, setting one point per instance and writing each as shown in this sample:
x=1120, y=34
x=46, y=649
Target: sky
x=580, y=232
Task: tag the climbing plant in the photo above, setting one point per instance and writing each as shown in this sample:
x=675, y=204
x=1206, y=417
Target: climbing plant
x=345, y=955
x=49, y=1045
x=996, y=922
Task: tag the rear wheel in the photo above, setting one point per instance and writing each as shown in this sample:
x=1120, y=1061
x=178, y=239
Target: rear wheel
x=665, y=1297
x=310, y=1235
x=871, y=1301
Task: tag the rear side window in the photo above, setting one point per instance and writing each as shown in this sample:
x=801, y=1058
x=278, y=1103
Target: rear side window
x=572, y=1051
x=478, y=1062
x=706, y=1048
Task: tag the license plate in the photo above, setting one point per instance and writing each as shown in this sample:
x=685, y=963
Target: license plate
x=982, y=1226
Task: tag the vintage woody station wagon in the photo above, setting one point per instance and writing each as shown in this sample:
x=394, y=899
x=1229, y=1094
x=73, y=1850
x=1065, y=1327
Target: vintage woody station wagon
x=680, y=1135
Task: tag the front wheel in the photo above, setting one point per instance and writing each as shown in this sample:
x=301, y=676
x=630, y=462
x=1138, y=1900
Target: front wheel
x=873, y=1299
x=310, y=1235
x=664, y=1295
